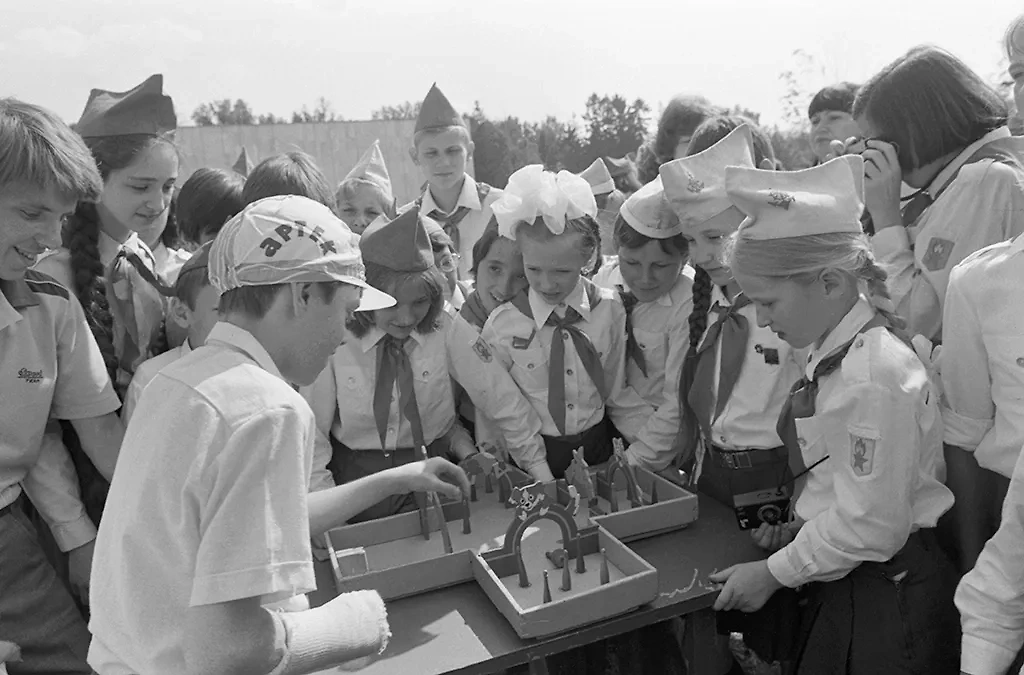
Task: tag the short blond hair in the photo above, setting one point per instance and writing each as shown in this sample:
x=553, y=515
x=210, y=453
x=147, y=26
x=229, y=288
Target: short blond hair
x=40, y=149
x=801, y=259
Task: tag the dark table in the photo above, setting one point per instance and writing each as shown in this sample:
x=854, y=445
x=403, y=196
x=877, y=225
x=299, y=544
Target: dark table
x=458, y=630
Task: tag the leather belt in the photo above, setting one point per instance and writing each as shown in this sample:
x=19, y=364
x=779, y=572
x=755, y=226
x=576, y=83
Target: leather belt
x=747, y=459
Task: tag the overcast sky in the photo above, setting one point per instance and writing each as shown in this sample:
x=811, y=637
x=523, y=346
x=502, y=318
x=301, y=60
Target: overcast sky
x=528, y=58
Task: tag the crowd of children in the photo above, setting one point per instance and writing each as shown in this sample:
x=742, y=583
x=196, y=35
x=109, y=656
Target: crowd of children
x=204, y=379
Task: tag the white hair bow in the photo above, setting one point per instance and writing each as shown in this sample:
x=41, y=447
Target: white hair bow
x=533, y=192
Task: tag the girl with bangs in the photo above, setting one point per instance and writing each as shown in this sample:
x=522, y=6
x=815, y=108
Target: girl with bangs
x=389, y=392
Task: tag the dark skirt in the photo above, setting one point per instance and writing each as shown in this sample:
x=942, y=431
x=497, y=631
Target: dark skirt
x=891, y=617
x=595, y=441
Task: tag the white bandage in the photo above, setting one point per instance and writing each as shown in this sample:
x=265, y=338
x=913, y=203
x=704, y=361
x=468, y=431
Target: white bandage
x=351, y=626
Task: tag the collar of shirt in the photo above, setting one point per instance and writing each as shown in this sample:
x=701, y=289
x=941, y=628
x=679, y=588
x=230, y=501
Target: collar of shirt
x=185, y=347
x=468, y=198
x=845, y=330
x=949, y=169
x=242, y=340
x=109, y=247
x=665, y=299
x=14, y=295
x=577, y=299
x=375, y=335
x=718, y=295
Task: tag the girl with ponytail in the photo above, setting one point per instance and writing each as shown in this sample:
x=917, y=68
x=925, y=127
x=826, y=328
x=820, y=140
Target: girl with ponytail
x=863, y=432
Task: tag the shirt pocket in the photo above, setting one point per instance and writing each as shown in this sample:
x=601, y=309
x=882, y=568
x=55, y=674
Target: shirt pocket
x=353, y=381
x=1006, y=367
x=434, y=395
x=811, y=437
x=530, y=369
x=654, y=345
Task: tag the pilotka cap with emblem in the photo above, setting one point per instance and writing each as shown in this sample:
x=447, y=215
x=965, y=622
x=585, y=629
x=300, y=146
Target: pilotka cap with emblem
x=825, y=199
x=289, y=239
x=695, y=185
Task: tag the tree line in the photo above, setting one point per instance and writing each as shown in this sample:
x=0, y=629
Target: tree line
x=610, y=126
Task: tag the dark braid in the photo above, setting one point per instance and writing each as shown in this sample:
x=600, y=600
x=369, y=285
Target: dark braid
x=689, y=430
x=81, y=238
x=701, y=306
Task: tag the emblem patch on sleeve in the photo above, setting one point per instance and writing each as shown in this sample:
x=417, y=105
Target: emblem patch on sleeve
x=862, y=455
x=937, y=255
x=483, y=350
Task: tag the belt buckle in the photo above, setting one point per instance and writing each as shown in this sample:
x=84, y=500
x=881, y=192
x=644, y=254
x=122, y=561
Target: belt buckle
x=743, y=460
x=728, y=459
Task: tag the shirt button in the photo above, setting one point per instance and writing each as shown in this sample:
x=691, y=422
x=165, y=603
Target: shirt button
x=565, y=336
x=1020, y=362
x=642, y=345
x=529, y=366
x=801, y=442
x=426, y=373
x=391, y=432
x=859, y=343
x=569, y=371
x=570, y=406
x=721, y=439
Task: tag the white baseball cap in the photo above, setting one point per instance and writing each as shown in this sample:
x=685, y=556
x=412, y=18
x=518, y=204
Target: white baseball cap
x=288, y=239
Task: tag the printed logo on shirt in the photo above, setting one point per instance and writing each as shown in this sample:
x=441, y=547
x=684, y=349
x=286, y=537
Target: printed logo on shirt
x=937, y=255
x=30, y=376
x=271, y=246
x=483, y=350
x=862, y=456
x=695, y=185
x=781, y=200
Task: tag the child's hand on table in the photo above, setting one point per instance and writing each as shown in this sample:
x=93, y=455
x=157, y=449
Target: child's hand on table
x=432, y=475
x=747, y=586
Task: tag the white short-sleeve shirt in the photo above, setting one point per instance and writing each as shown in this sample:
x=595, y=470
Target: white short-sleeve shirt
x=210, y=495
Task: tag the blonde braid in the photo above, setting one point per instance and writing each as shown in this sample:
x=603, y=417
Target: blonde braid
x=874, y=278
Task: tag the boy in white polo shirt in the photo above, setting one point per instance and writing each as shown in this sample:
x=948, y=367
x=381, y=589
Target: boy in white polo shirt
x=213, y=517
x=50, y=366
